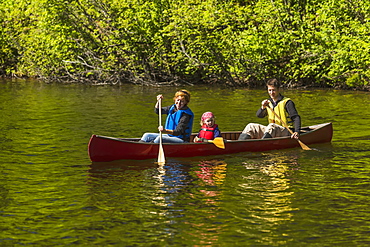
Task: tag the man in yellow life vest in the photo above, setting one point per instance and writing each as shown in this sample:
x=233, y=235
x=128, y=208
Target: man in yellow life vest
x=283, y=107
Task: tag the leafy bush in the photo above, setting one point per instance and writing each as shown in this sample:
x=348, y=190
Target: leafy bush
x=237, y=43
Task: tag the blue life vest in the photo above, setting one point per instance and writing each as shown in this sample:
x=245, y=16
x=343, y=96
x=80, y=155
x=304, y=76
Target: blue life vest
x=173, y=119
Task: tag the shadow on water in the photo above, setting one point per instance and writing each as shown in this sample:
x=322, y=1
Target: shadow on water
x=120, y=165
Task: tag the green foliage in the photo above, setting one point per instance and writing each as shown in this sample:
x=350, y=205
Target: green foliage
x=305, y=42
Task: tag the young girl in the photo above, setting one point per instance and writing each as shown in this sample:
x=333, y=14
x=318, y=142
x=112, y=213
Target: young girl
x=209, y=130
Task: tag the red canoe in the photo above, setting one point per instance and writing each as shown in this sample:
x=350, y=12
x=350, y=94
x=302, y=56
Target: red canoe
x=105, y=149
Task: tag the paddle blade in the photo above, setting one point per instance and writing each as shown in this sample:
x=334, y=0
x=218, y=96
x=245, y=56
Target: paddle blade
x=161, y=158
x=304, y=146
x=219, y=142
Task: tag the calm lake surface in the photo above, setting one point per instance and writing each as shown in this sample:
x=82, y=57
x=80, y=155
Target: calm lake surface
x=52, y=195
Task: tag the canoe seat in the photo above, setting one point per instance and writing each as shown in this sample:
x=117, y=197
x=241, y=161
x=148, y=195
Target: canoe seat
x=231, y=135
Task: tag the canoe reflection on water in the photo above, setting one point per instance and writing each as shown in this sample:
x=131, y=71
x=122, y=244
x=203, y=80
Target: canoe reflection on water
x=211, y=172
x=168, y=179
x=194, y=197
x=270, y=185
x=187, y=190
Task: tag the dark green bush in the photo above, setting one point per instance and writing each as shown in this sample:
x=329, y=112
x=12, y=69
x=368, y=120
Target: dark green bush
x=238, y=43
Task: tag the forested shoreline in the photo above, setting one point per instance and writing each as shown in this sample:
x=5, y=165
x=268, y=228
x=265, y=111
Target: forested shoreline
x=169, y=42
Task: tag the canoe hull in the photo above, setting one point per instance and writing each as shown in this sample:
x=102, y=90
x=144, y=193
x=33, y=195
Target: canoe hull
x=105, y=149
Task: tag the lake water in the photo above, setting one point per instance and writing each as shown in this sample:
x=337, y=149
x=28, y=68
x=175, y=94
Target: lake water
x=52, y=195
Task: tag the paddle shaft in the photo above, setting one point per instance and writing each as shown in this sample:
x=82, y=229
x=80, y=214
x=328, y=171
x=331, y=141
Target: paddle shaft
x=304, y=146
x=161, y=158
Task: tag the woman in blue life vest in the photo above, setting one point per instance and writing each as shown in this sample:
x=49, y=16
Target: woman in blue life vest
x=179, y=122
x=209, y=129
x=284, y=107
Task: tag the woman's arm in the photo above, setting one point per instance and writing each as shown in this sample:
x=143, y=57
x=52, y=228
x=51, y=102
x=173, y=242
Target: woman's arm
x=165, y=110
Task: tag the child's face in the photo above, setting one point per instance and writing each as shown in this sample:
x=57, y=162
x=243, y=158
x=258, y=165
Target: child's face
x=209, y=122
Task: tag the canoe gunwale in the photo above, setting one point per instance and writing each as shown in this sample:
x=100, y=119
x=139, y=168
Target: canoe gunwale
x=135, y=140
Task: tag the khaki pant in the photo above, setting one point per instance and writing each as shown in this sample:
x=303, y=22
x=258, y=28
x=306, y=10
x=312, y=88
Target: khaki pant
x=256, y=131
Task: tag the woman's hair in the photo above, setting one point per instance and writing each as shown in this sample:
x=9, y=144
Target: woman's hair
x=184, y=94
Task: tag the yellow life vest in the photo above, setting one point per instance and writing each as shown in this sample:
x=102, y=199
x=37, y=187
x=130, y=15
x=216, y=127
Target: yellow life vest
x=281, y=112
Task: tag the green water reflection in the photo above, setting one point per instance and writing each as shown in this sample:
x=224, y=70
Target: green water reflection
x=51, y=194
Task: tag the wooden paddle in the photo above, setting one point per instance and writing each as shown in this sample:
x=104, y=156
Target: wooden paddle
x=161, y=158
x=219, y=142
x=304, y=146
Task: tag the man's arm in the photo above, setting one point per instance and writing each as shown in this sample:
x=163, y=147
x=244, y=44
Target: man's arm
x=293, y=114
x=261, y=113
